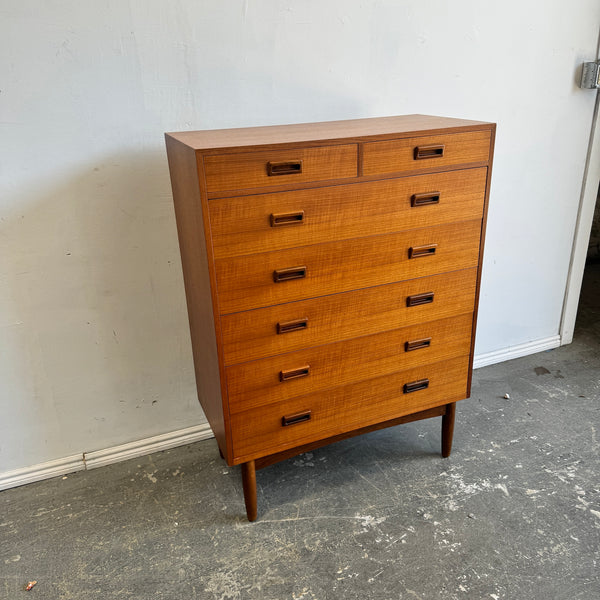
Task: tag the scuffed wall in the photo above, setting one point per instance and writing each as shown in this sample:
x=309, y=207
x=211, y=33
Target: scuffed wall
x=94, y=346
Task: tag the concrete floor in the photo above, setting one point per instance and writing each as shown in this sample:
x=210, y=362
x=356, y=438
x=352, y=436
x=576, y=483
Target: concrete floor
x=514, y=513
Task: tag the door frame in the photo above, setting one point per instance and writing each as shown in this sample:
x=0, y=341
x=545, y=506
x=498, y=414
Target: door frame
x=581, y=239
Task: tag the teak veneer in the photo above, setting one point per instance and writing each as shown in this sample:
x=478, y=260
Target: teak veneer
x=332, y=277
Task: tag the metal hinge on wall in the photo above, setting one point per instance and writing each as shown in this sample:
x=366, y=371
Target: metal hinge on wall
x=590, y=75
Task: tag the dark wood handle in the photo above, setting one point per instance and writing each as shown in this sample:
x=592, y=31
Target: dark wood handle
x=432, y=151
x=288, y=274
x=419, y=251
x=288, y=167
x=289, y=326
x=293, y=218
x=297, y=418
x=425, y=199
x=418, y=299
x=294, y=373
x=417, y=344
x=415, y=386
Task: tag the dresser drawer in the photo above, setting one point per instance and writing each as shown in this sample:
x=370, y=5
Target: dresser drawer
x=250, y=224
x=248, y=282
x=293, y=326
x=279, y=167
x=278, y=378
x=261, y=431
x=411, y=154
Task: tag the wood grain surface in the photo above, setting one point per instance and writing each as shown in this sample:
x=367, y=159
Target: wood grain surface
x=259, y=432
x=247, y=281
x=301, y=134
x=252, y=335
x=258, y=383
x=242, y=225
x=249, y=169
x=197, y=264
x=395, y=156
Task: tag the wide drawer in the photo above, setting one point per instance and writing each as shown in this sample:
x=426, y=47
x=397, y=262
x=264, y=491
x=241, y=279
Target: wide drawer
x=296, y=325
x=263, y=431
x=250, y=224
x=411, y=154
x=268, y=278
x=279, y=167
x=278, y=378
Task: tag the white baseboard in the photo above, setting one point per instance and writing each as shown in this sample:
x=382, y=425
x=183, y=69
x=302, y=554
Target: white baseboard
x=491, y=358
x=99, y=458
x=46, y=470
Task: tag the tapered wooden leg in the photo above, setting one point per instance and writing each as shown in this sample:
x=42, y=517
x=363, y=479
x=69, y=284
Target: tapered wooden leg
x=448, y=429
x=249, y=483
x=220, y=453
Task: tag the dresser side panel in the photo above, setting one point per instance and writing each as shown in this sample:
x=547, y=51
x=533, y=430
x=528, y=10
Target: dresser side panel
x=196, y=273
x=486, y=204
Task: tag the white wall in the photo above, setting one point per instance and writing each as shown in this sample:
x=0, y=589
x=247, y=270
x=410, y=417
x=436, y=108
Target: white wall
x=94, y=347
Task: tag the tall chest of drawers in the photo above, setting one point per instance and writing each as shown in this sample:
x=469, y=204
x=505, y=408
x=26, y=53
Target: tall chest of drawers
x=332, y=275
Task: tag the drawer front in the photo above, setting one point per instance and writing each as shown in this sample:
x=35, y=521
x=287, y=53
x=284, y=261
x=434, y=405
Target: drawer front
x=278, y=378
x=279, y=167
x=260, y=431
x=411, y=154
x=261, y=223
x=248, y=282
x=288, y=327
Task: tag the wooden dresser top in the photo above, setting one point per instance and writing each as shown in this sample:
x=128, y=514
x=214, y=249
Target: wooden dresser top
x=327, y=131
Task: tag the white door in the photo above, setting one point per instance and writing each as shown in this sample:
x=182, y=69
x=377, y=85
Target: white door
x=589, y=194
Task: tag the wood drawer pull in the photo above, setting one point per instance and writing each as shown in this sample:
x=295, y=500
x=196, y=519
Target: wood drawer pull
x=288, y=167
x=418, y=299
x=417, y=344
x=432, y=151
x=415, y=386
x=425, y=199
x=297, y=418
x=294, y=373
x=293, y=218
x=288, y=274
x=289, y=326
x=419, y=251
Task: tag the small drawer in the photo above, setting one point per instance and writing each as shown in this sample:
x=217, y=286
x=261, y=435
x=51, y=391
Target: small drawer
x=287, y=219
x=265, y=430
x=288, y=327
x=428, y=152
x=247, y=282
x=279, y=167
x=257, y=383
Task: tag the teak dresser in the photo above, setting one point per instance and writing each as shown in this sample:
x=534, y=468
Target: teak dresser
x=332, y=275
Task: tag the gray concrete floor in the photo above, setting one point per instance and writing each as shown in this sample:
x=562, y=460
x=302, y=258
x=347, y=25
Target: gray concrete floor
x=514, y=513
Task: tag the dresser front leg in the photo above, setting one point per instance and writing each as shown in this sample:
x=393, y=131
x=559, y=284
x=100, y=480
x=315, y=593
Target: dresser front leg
x=448, y=429
x=249, y=483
